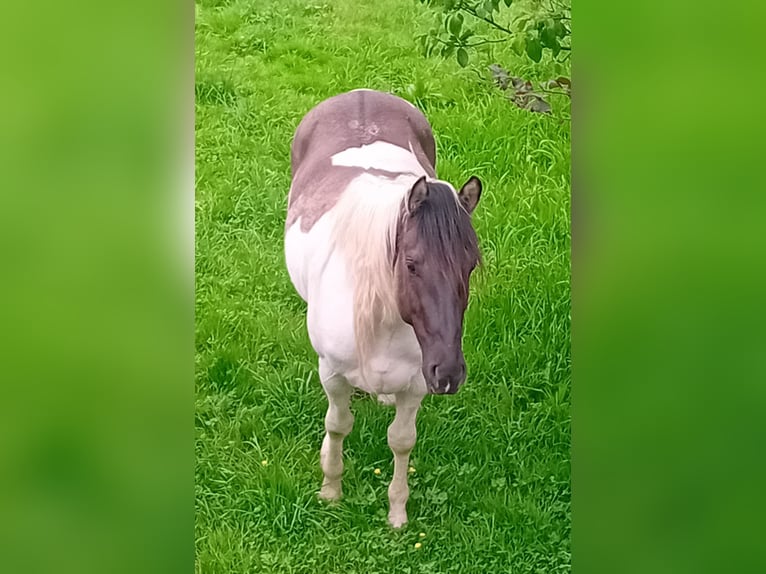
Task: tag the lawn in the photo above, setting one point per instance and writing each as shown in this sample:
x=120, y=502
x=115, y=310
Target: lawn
x=491, y=489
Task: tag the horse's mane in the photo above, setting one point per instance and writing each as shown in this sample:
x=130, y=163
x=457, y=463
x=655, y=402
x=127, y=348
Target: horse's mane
x=365, y=226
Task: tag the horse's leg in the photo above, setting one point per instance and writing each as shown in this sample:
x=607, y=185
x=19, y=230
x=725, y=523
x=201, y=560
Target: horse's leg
x=401, y=439
x=338, y=423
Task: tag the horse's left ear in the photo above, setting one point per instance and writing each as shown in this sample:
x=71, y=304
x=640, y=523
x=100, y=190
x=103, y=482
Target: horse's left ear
x=470, y=193
x=417, y=195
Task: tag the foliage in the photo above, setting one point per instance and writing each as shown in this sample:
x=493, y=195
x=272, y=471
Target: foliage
x=533, y=27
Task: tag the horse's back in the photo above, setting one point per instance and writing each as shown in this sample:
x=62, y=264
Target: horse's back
x=348, y=135
x=357, y=118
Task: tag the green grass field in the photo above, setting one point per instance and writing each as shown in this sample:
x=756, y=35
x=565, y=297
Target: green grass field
x=491, y=489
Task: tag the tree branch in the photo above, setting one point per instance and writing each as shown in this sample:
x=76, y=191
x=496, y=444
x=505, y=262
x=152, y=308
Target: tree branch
x=470, y=45
x=489, y=21
x=486, y=42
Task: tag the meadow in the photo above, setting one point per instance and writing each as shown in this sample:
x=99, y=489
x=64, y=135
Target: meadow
x=491, y=487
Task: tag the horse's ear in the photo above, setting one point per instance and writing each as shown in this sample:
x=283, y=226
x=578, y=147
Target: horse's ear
x=470, y=193
x=417, y=194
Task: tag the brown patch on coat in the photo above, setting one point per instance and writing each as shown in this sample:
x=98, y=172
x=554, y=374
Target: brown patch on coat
x=346, y=121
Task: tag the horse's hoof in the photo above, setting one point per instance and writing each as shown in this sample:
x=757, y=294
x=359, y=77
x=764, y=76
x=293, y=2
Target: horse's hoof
x=397, y=520
x=330, y=494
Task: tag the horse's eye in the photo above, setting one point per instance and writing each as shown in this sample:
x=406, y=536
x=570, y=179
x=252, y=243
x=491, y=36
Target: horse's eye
x=411, y=267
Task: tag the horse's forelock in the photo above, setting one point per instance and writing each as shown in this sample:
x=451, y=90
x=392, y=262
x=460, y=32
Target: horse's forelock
x=445, y=231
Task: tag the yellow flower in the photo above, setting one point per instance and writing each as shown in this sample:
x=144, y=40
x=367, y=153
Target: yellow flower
x=411, y=470
x=264, y=462
x=417, y=545
x=422, y=534
x=376, y=471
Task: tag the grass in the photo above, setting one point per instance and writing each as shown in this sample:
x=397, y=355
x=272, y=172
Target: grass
x=491, y=488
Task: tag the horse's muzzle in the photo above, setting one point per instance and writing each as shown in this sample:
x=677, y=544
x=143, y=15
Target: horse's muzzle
x=445, y=378
x=445, y=390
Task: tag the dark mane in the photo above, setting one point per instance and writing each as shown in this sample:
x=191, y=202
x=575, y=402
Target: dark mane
x=445, y=230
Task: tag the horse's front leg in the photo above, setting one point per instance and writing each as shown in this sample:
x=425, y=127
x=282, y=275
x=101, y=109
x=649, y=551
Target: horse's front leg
x=401, y=439
x=338, y=423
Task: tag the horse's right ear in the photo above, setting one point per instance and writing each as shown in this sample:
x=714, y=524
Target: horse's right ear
x=470, y=193
x=417, y=195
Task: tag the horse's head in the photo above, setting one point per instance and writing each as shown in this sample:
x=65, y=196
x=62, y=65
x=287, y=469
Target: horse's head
x=436, y=251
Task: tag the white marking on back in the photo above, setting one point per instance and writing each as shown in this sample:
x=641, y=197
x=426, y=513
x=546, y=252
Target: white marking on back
x=379, y=155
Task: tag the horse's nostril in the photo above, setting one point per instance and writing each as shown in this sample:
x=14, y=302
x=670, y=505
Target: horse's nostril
x=450, y=373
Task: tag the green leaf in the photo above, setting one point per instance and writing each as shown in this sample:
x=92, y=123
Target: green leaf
x=523, y=22
x=430, y=45
x=508, y=3
x=558, y=29
x=462, y=57
x=534, y=48
x=518, y=44
x=548, y=34
x=455, y=24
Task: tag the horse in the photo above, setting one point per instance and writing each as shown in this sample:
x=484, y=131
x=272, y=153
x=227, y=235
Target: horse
x=382, y=252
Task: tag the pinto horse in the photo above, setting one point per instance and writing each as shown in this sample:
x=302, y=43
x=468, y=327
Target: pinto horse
x=382, y=252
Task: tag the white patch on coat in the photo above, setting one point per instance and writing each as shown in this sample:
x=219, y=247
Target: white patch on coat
x=379, y=155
